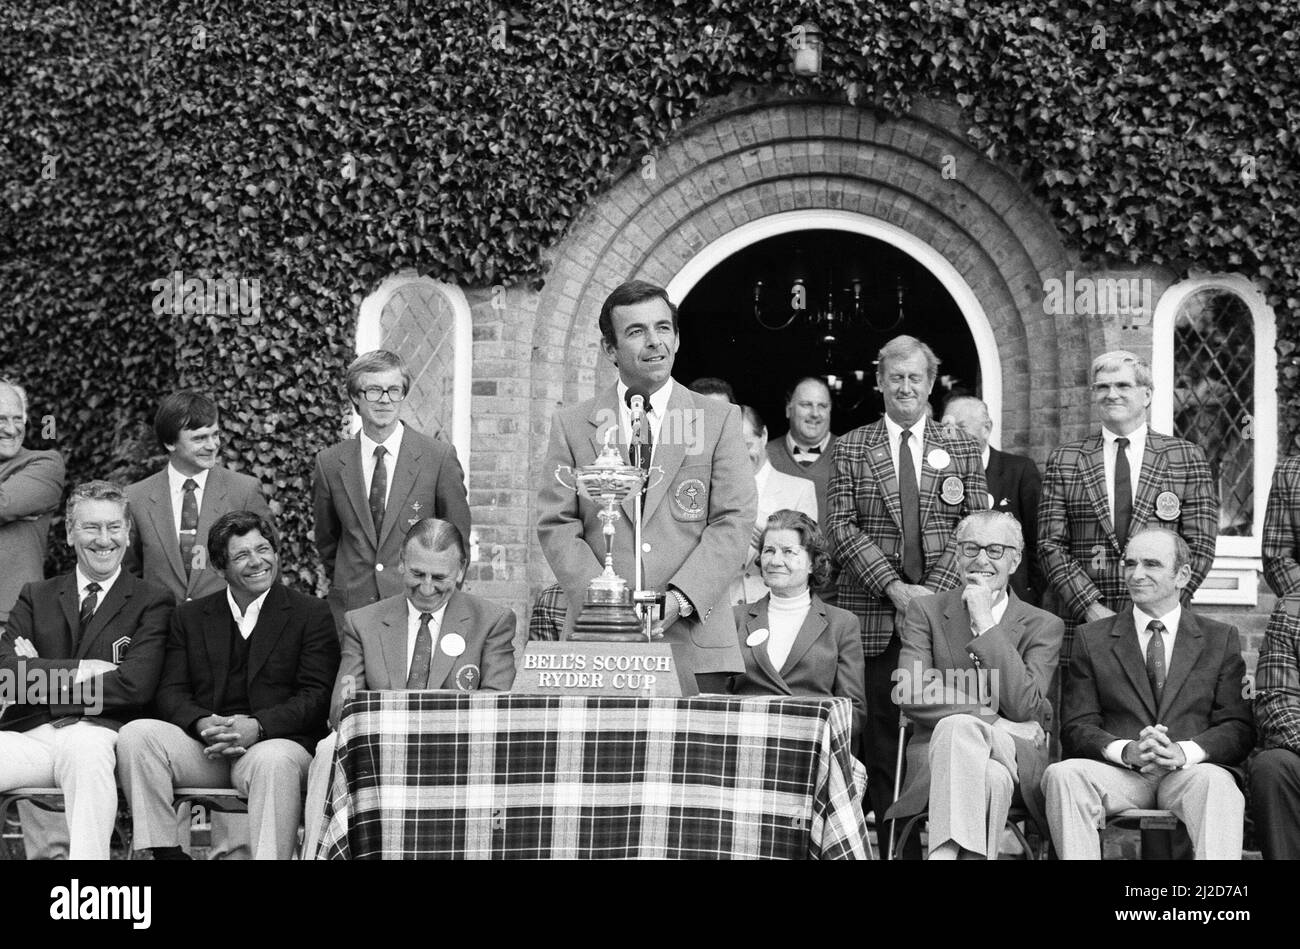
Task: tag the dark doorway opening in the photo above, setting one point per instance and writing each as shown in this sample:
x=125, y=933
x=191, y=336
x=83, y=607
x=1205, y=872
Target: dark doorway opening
x=722, y=335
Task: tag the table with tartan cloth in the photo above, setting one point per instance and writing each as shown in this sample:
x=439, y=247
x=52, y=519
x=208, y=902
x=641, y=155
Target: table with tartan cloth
x=497, y=775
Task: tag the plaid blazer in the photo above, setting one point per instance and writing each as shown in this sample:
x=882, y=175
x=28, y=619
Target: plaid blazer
x=865, y=526
x=546, y=622
x=1282, y=528
x=1277, y=679
x=1076, y=538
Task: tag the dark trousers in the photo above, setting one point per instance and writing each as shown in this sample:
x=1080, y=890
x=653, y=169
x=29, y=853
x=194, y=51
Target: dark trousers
x=1275, y=803
x=713, y=682
x=880, y=745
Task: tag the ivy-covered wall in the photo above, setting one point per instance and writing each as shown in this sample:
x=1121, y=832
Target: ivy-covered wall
x=203, y=194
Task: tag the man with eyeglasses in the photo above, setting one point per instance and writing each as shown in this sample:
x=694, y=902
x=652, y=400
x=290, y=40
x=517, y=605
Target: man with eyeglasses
x=374, y=487
x=973, y=677
x=1100, y=491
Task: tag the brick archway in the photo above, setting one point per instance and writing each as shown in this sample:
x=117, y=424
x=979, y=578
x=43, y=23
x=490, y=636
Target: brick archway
x=752, y=163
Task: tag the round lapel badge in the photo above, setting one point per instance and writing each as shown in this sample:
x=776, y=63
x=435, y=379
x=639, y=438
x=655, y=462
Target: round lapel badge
x=756, y=638
x=953, y=490
x=453, y=644
x=467, y=678
x=938, y=459
x=1168, y=507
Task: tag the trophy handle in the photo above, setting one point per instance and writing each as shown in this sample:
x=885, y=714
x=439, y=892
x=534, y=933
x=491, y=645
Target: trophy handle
x=558, y=469
x=651, y=480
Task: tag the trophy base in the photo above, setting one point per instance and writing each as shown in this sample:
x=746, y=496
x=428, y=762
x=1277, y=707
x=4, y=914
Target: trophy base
x=607, y=615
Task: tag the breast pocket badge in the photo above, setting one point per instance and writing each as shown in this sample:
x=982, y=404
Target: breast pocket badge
x=467, y=677
x=953, y=490
x=690, y=500
x=119, y=649
x=1168, y=507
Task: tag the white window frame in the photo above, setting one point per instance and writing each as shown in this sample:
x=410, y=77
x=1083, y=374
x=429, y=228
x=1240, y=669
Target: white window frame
x=1234, y=578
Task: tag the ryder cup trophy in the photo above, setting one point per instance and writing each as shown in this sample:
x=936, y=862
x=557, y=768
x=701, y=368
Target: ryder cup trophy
x=607, y=612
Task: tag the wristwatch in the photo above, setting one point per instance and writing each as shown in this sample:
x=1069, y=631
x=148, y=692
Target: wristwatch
x=684, y=608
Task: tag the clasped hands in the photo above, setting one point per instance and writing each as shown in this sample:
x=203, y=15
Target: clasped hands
x=1154, y=751
x=227, y=736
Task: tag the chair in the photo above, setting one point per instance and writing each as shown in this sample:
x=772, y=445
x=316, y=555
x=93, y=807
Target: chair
x=48, y=799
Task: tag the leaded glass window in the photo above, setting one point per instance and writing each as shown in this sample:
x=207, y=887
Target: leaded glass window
x=1214, y=397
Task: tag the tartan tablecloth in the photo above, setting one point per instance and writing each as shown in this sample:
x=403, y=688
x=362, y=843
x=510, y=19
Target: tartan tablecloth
x=496, y=775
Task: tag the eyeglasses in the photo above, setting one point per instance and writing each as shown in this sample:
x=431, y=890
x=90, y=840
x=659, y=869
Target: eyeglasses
x=375, y=393
x=968, y=548
x=1102, y=388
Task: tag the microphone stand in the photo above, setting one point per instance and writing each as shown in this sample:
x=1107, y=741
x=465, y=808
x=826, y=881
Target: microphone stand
x=641, y=595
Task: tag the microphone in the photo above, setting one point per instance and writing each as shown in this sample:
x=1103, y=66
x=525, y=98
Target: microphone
x=637, y=399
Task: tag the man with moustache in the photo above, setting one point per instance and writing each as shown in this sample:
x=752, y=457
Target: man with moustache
x=972, y=750
x=31, y=485
x=1154, y=714
x=700, y=499
x=433, y=636
x=1103, y=489
x=898, y=489
x=374, y=487
x=94, y=638
x=242, y=698
x=1014, y=487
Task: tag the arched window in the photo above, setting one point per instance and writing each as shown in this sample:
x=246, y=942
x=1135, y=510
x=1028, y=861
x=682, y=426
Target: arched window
x=1215, y=375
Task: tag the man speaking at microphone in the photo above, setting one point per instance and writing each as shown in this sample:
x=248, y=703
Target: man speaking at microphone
x=700, y=502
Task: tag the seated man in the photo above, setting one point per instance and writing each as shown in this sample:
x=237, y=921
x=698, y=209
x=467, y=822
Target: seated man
x=1275, y=771
x=92, y=641
x=431, y=637
x=546, y=623
x=1169, y=730
x=243, y=696
x=994, y=656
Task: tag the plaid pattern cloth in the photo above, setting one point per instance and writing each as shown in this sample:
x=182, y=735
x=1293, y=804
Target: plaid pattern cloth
x=1282, y=528
x=865, y=525
x=496, y=775
x=546, y=622
x=1277, y=679
x=1076, y=537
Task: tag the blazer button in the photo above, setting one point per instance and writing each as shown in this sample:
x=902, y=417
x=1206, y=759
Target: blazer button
x=379, y=568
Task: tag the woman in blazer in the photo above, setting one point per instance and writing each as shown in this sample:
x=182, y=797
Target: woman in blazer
x=792, y=642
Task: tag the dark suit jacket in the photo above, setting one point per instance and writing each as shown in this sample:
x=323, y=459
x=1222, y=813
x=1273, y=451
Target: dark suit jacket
x=1076, y=538
x=698, y=516
x=1108, y=696
x=1022, y=651
x=155, y=552
x=1015, y=487
x=129, y=628
x=293, y=655
x=425, y=481
x=375, y=654
x=864, y=521
x=826, y=658
x=31, y=486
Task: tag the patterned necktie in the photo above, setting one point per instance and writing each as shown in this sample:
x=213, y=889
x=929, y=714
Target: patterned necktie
x=88, y=606
x=189, y=524
x=418, y=677
x=1123, y=492
x=1156, y=657
x=909, y=499
x=378, y=489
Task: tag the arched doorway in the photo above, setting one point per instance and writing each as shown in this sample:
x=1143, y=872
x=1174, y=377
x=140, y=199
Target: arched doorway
x=743, y=322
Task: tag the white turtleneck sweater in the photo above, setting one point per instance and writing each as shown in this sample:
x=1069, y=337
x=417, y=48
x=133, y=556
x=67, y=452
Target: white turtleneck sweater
x=785, y=615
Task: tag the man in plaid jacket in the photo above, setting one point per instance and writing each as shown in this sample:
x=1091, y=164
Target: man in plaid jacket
x=1084, y=523
x=898, y=488
x=1275, y=771
x=1282, y=529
